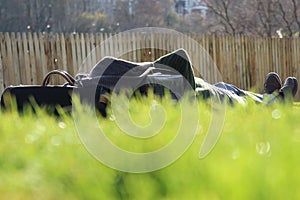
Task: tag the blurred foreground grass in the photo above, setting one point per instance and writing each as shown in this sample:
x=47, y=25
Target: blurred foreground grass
x=256, y=157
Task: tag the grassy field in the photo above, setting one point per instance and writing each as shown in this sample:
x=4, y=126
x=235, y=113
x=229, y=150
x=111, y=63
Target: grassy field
x=256, y=157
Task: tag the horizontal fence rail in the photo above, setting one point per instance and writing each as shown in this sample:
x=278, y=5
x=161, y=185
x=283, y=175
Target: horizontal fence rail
x=244, y=61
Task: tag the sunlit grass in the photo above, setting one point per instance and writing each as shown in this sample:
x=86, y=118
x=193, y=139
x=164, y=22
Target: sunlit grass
x=256, y=157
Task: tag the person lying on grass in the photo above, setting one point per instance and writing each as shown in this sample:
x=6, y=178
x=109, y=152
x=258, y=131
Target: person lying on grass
x=180, y=62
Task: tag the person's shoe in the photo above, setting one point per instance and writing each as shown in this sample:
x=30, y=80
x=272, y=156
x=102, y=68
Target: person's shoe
x=295, y=89
x=272, y=83
x=289, y=87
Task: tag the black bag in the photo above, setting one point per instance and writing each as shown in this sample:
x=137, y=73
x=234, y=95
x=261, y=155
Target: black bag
x=41, y=95
x=48, y=96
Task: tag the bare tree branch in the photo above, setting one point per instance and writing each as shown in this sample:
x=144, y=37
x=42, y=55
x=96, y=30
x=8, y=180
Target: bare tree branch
x=223, y=13
x=284, y=18
x=295, y=13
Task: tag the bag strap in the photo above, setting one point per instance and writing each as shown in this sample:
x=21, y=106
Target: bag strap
x=64, y=74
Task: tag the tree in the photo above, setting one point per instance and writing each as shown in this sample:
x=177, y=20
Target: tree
x=229, y=16
x=10, y=18
x=257, y=17
x=289, y=16
x=141, y=13
x=92, y=22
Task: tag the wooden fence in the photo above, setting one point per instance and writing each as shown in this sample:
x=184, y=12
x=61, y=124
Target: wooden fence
x=241, y=60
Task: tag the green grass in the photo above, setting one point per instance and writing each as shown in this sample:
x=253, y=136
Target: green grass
x=256, y=157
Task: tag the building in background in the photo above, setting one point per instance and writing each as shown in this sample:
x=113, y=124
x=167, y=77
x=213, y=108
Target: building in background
x=108, y=6
x=184, y=7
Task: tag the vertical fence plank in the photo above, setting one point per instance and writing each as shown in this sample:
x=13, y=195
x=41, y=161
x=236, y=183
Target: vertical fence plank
x=97, y=47
x=115, y=41
x=243, y=66
x=158, y=42
x=88, y=58
x=138, y=47
x=199, y=50
x=249, y=60
x=32, y=60
x=294, y=59
x=259, y=55
x=47, y=48
x=205, y=72
x=277, y=54
x=134, y=46
x=220, y=54
x=284, y=60
x=39, y=72
x=15, y=57
x=78, y=53
x=55, y=52
x=106, y=45
x=3, y=56
x=58, y=57
x=132, y=43
x=297, y=63
x=152, y=43
x=83, y=54
x=123, y=48
x=238, y=53
x=274, y=55
x=27, y=75
x=215, y=53
x=207, y=59
x=21, y=58
x=1, y=76
x=69, y=55
x=227, y=58
x=265, y=66
x=118, y=45
x=52, y=57
x=111, y=45
x=232, y=76
x=64, y=64
x=102, y=51
x=93, y=50
x=43, y=66
x=9, y=56
x=290, y=59
x=2, y=85
x=268, y=64
x=128, y=49
x=287, y=62
x=72, y=55
x=208, y=47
